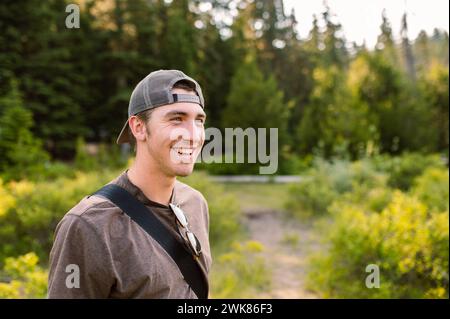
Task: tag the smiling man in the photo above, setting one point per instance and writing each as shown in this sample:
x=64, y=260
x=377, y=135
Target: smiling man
x=104, y=251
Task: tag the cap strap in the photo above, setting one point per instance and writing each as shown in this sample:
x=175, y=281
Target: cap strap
x=189, y=98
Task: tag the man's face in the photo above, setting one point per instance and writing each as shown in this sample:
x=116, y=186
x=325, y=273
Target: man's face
x=176, y=136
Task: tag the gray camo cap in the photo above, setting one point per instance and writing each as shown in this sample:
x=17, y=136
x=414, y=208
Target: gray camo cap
x=155, y=90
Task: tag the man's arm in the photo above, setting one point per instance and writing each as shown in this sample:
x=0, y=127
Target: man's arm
x=80, y=261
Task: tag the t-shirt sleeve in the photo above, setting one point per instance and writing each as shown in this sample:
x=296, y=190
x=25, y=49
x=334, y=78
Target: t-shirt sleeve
x=80, y=261
x=206, y=209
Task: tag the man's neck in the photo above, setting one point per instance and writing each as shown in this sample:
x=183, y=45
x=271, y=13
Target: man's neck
x=155, y=185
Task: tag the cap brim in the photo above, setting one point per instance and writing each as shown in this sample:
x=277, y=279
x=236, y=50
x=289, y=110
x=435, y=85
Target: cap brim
x=123, y=136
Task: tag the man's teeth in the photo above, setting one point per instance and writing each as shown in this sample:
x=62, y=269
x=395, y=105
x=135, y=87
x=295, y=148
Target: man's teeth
x=184, y=151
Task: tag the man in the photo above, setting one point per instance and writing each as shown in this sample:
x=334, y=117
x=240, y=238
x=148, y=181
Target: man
x=99, y=251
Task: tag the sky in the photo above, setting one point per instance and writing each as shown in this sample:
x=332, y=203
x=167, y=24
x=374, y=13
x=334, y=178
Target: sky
x=361, y=19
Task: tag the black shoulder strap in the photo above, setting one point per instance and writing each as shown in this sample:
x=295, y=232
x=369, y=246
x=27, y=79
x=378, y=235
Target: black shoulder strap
x=145, y=218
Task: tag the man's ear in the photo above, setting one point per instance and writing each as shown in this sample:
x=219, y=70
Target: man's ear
x=138, y=128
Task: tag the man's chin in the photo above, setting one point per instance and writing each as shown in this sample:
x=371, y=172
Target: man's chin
x=184, y=171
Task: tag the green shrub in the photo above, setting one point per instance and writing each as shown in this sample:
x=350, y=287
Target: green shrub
x=240, y=273
x=56, y=169
x=234, y=168
x=402, y=170
x=7, y=201
x=406, y=240
x=107, y=156
x=312, y=196
x=22, y=278
x=377, y=199
x=328, y=182
x=83, y=160
x=432, y=188
x=29, y=223
x=288, y=164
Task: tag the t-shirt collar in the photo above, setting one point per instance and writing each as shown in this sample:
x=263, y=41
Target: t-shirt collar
x=125, y=182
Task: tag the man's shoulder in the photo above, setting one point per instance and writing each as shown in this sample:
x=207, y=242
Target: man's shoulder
x=189, y=192
x=94, y=210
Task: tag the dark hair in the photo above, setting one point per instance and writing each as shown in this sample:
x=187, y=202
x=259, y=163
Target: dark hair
x=185, y=85
x=144, y=116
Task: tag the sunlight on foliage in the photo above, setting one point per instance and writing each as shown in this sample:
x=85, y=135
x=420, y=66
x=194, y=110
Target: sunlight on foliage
x=24, y=278
x=240, y=273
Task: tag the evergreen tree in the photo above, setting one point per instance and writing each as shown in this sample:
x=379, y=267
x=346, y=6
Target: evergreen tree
x=407, y=50
x=178, y=37
x=256, y=102
x=38, y=55
x=385, y=42
x=335, y=121
x=435, y=87
x=22, y=153
x=332, y=42
x=422, y=52
x=401, y=114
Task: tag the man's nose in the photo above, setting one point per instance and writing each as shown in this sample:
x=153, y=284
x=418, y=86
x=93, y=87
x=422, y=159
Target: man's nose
x=195, y=132
x=189, y=132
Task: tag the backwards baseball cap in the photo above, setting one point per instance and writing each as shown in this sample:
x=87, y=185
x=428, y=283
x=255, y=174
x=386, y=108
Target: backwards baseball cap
x=155, y=90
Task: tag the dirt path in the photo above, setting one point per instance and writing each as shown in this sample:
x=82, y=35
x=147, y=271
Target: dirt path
x=288, y=244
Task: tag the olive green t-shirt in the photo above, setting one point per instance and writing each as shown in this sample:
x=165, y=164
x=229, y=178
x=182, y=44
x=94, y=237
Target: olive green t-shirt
x=114, y=257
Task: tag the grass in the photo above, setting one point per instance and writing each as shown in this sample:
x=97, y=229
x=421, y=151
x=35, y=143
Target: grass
x=256, y=196
x=290, y=240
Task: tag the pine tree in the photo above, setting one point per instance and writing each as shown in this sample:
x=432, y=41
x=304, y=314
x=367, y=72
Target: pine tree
x=178, y=37
x=39, y=53
x=336, y=121
x=334, y=50
x=422, y=51
x=385, y=42
x=215, y=69
x=256, y=102
x=435, y=87
x=407, y=51
x=22, y=153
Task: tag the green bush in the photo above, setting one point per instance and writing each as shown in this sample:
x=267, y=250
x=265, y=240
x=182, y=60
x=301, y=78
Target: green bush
x=402, y=170
x=288, y=164
x=7, y=201
x=329, y=181
x=54, y=170
x=407, y=240
x=22, y=278
x=377, y=199
x=28, y=223
x=230, y=168
x=240, y=273
x=312, y=196
x=432, y=188
x=107, y=157
x=83, y=160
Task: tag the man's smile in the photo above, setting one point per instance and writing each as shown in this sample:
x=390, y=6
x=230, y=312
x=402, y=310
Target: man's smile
x=183, y=150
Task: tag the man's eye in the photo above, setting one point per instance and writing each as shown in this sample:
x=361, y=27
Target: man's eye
x=201, y=121
x=177, y=119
